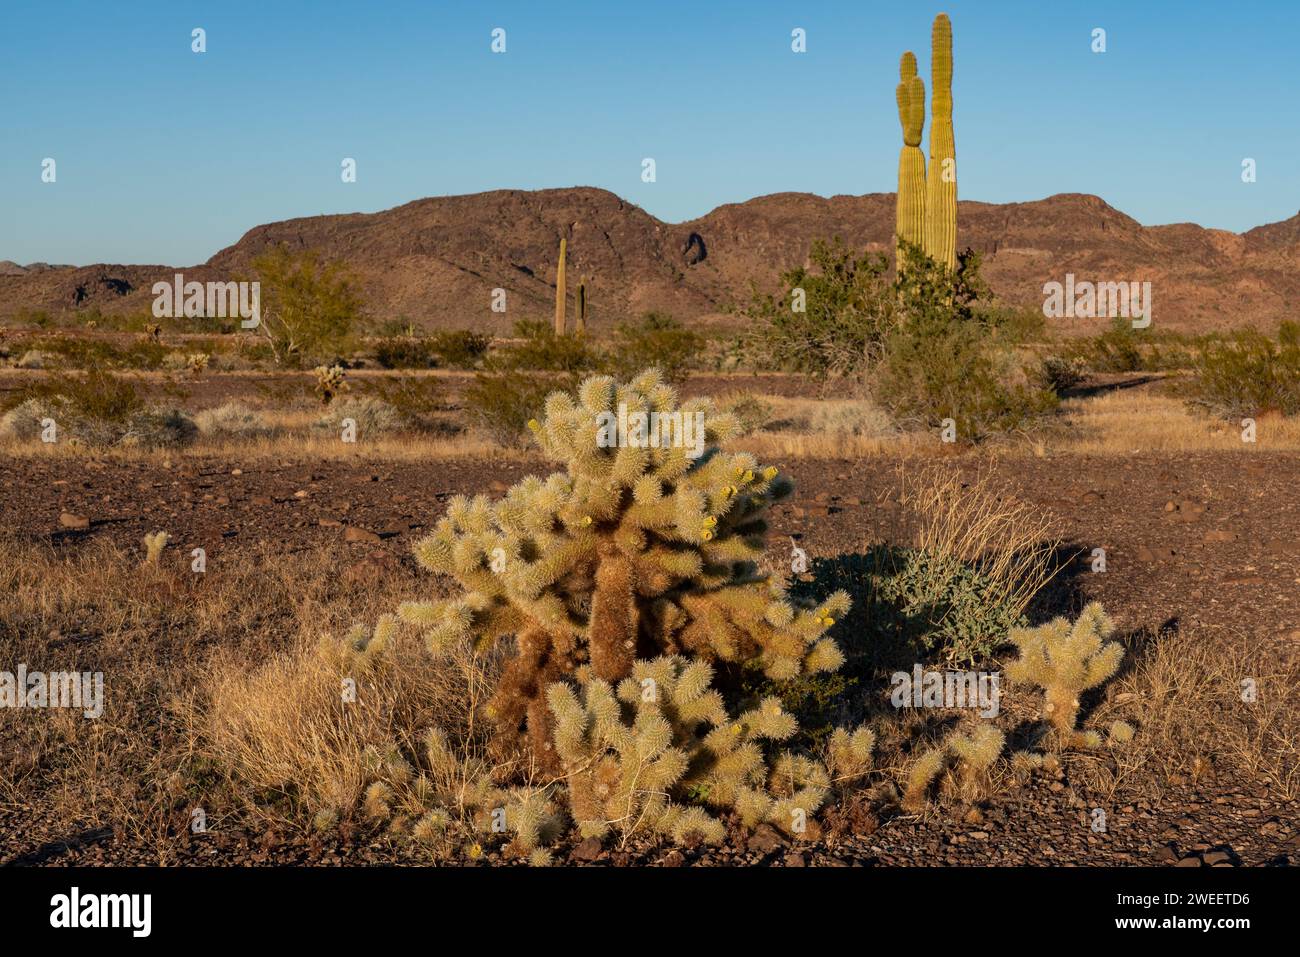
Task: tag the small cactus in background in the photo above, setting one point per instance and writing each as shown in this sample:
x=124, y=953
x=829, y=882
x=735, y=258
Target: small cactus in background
x=941, y=187
x=153, y=546
x=197, y=362
x=330, y=381
x=560, y=302
x=1066, y=660
x=911, y=199
x=580, y=308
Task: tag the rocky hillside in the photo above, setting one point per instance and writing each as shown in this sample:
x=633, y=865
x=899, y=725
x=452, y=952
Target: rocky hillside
x=435, y=261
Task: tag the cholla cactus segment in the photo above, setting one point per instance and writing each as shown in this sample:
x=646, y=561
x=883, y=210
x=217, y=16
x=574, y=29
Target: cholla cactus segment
x=848, y=753
x=1065, y=660
x=634, y=754
x=981, y=748
x=154, y=544
x=646, y=544
x=921, y=775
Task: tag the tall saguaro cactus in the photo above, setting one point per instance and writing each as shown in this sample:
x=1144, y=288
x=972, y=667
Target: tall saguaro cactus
x=911, y=161
x=560, y=302
x=941, y=188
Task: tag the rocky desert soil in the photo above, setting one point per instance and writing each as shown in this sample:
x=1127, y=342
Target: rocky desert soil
x=1209, y=541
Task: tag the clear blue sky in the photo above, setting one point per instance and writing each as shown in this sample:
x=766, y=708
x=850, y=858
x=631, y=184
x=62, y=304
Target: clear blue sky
x=166, y=156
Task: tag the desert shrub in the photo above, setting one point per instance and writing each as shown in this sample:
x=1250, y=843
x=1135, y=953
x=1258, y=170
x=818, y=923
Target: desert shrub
x=849, y=310
x=542, y=350
x=233, y=420
x=33, y=359
x=751, y=411
x=95, y=408
x=406, y=353
x=941, y=361
x=1247, y=374
x=655, y=341
x=502, y=404
x=1060, y=373
x=373, y=417
x=460, y=348
x=417, y=399
x=308, y=307
x=624, y=579
x=158, y=428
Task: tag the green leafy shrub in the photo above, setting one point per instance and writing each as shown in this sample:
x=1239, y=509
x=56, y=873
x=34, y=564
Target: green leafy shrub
x=542, y=350
x=849, y=309
x=1247, y=374
x=911, y=603
x=308, y=307
x=1061, y=373
x=942, y=362
x=406, y=353
x=656, y=341
x=503, y=403
x=460, y=348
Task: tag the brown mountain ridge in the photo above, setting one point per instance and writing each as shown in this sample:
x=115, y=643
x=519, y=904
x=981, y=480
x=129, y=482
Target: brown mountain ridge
x=436, y=261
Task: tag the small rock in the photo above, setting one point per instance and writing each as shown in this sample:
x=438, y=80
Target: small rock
x=236, y=471
x=764, y=840
x=69, y=520
x=1189, y=862
x=354, y=534
x=795, y=859
x=588, y=850
x=1216, y=857
x=1165, y=854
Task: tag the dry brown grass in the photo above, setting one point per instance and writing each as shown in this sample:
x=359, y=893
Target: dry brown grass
x=1182, y=691
x=288, y=741
x=977, y=521
x=150, y=629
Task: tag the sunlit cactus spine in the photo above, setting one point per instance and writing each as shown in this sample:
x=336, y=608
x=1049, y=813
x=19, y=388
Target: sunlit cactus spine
x=941, y=187
x=911, y=198
x=560, y=302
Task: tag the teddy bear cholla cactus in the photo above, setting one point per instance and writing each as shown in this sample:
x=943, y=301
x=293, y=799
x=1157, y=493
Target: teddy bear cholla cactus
x=1066, y=660
x=637, y=550
x=664, y=731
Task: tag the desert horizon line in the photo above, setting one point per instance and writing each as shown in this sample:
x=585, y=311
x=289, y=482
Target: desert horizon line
x=624, y=199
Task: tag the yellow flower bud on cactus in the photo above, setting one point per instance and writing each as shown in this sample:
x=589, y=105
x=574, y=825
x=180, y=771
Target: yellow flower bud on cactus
x=586, y=520
x=711, y=521
x=707, y=535
x=749, y=476
x=533, y=424
x=770, y=472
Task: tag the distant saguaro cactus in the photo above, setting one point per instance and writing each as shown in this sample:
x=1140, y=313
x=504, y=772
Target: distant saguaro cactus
x=941, y=187
x=911, y=161
x=560, y=303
